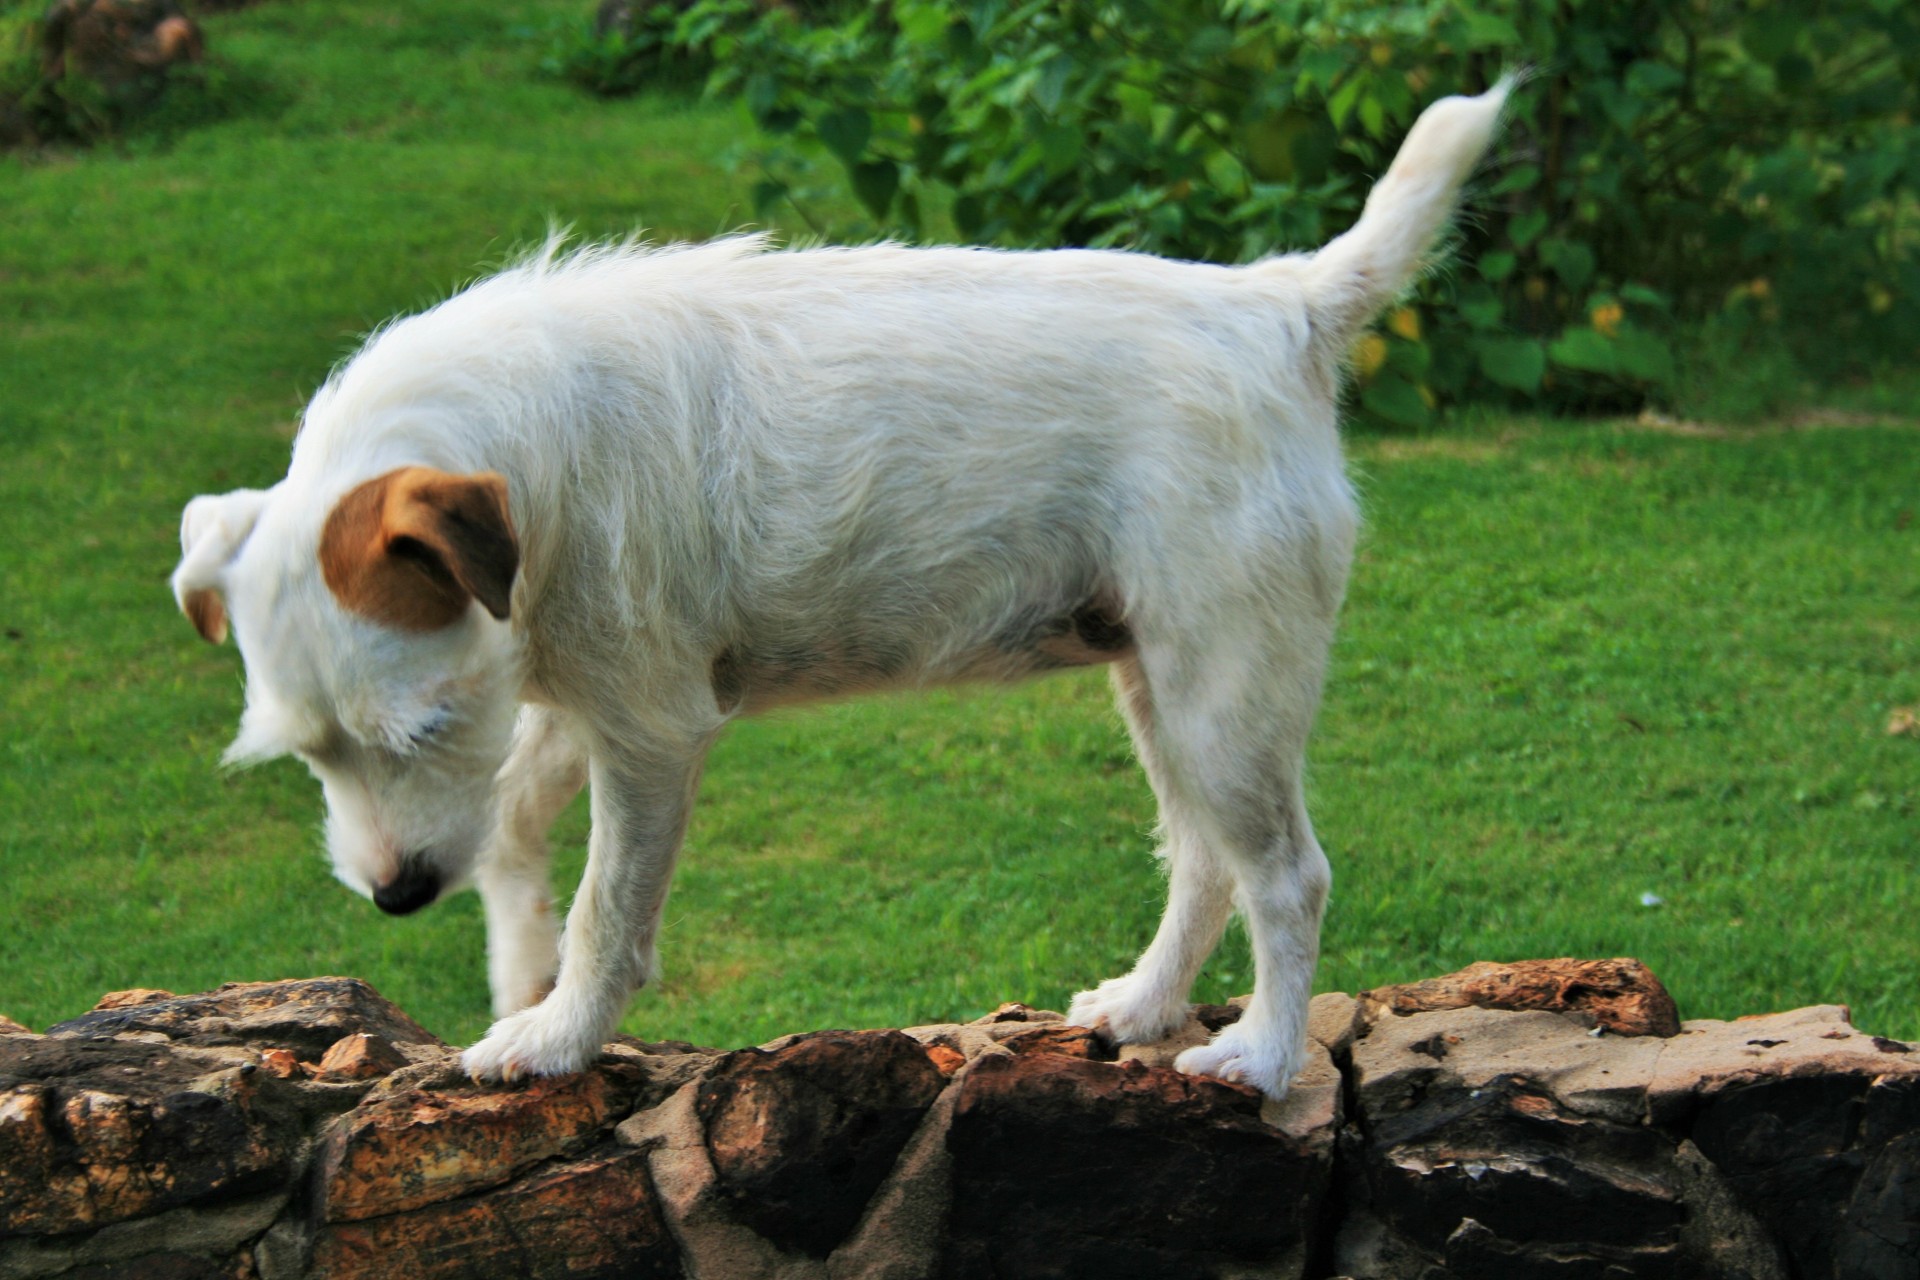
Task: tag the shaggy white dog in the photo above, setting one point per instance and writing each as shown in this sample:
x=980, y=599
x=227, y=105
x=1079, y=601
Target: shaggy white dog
x=624, y=495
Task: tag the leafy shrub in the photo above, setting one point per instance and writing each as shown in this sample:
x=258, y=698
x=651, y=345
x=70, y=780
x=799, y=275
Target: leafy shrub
x=1667, y=162
x=632, y=45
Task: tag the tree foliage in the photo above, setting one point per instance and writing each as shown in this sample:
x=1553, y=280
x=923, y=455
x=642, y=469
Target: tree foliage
x=1667, y=162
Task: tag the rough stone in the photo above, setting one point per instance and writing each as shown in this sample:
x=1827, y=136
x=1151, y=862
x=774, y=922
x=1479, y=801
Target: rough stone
x=307, y=1016
x=713, y=1242
x=358, y=1056
x=8, y=1027
x=1065, y=1167
x=1815, y=1127
x=97, y=1132
x=595, y=1216
x=277, y=1132
x=801, y=1137
x=1519, y=1144
x=1621, y=995
x=1406, y=1059
x=401, y=1150
x=131, y=997
x=188, y=1242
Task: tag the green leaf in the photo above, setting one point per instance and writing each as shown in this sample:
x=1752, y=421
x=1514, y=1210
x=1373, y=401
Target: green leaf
x=1396, y=399
x=1523, y=229
x=1341, y=104
x=1497, y=265
x=1644, y=355
x=1515, y=363
x=875, y=182
x=1209, y=42
x=846, y=133
x=1519, y=178
x=1649, y=79
x=1490, y=30
x=1585, y=349
x=1571, y=261
x=1645, y=296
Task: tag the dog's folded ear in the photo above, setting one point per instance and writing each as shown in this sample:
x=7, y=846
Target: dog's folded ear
x=213, y=528
x=414, y=547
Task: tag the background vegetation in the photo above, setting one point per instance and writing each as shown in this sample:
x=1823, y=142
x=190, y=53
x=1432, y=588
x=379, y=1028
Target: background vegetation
x=1583, y=661
x=1732, y=175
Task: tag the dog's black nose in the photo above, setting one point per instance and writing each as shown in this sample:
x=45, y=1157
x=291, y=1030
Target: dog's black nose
x=409, y=891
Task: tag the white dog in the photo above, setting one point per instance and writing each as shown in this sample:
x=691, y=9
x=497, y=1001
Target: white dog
x=629, y=494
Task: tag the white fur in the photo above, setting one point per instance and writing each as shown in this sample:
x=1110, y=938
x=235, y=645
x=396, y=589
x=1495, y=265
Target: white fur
x=742, y=478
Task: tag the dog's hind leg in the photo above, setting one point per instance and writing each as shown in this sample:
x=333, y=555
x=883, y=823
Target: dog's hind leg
x=1232, y=715
x=1231, y=656
x=1149, y=1003
x=641, y=800
x=544, y=771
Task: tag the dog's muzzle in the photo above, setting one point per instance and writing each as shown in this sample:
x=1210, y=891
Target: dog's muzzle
x=409, y=891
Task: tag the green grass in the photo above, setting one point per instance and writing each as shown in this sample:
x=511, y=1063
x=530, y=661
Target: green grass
x=1580, y=662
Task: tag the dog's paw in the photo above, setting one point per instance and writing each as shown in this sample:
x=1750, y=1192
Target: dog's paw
x=1243, y=1058
x=532, y=1042
x=1128, y=1010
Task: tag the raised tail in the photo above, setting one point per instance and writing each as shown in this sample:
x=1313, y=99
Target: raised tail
x=1356, y=276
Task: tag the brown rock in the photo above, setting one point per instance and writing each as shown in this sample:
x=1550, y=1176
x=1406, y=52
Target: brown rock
x=131, y=997
x=1709, y=1057
x=1069, y=1168
x=359, y=1056
x=1815, y=1127
x=1074, y=1042
x=1507, y=1144
x=419, y=1146
x=800, y=1137
x=8, y=1027
x=1621, y=995
x=945, y=1060
x=1014, y=1011
x=97, y=1132
x=282, y=1064
x=1406, y=1059
x=307, y=1016
x=593, y=1216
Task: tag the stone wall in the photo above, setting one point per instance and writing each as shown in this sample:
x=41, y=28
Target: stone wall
x=1550, y=1119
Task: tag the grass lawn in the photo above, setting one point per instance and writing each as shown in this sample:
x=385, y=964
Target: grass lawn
x=1580, y=663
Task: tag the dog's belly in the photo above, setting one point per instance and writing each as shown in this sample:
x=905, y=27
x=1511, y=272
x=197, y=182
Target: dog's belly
x=755, y=676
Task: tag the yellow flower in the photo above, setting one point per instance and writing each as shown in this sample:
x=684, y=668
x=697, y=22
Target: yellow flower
x=1406, y=323
x=1369, y=354
x=1607, y=318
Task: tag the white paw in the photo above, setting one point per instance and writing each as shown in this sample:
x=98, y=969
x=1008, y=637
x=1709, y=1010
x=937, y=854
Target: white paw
x=1129, y=1010
x=539, y=1041
x=1240, y=1056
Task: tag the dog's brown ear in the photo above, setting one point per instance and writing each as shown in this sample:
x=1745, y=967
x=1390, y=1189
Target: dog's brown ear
x=411, y=548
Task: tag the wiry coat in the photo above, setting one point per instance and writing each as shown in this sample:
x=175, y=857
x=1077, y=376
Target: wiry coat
x=642, y=491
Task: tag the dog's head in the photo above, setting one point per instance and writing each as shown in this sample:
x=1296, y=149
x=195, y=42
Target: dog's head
x=373, y=629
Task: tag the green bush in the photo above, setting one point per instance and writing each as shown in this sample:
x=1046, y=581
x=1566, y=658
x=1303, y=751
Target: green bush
x=640, y=45
x=1665, y=163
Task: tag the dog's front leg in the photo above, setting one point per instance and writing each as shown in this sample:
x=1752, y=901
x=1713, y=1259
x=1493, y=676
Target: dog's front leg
x=641, y=800
x=543, y=773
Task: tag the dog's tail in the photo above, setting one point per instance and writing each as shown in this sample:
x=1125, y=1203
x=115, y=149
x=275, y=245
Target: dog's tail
x=1356, y=276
